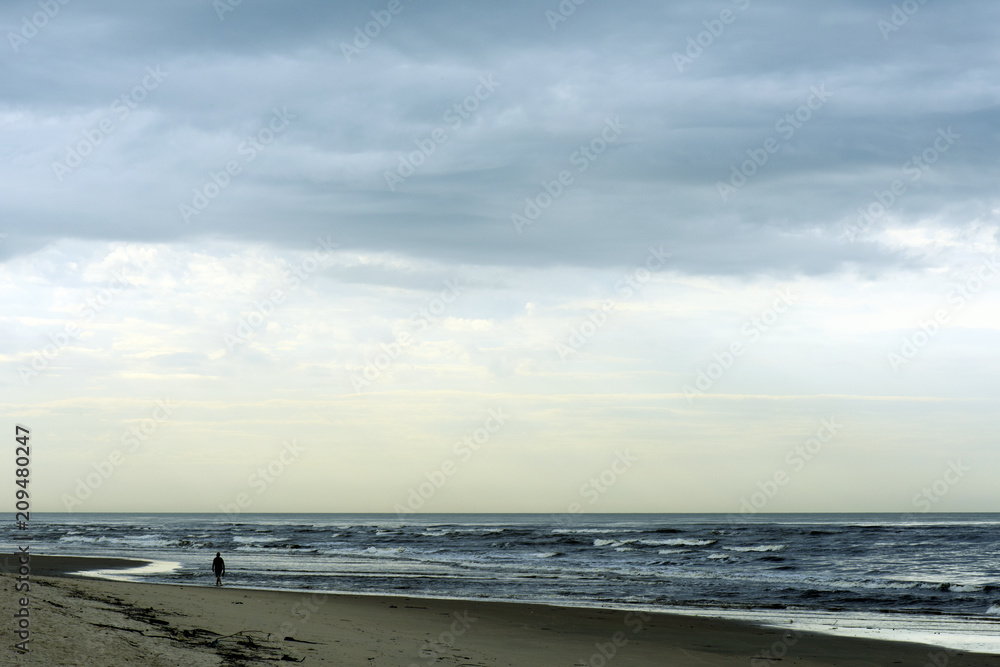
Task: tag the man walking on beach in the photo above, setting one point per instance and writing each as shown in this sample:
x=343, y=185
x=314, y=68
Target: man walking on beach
x=219, y=567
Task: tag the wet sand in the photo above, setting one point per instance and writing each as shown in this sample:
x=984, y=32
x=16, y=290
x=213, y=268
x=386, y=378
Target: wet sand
x=86, y=621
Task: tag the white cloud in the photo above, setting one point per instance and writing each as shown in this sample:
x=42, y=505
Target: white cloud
x=244, y=316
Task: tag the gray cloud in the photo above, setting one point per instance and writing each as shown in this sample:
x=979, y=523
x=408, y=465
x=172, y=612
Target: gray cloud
x=657, y=183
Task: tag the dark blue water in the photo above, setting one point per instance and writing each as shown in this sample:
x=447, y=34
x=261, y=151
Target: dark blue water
x=903, y=564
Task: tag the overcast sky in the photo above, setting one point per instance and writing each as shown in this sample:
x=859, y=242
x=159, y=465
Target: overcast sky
x=522, y=256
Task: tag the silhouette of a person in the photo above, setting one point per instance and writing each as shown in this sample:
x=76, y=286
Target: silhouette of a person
x=219, y=568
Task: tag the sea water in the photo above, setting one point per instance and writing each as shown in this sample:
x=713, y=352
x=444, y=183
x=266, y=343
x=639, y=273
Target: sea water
x=929, y=577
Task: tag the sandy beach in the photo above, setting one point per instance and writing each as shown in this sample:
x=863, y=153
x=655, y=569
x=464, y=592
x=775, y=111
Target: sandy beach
x=85, y=621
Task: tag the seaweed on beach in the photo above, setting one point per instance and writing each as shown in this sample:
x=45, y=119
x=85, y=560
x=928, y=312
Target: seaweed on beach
x=248, y=646
x=236, y=650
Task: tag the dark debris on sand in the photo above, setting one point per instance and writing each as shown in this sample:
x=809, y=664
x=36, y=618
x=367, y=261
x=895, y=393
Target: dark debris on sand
x=243, y=648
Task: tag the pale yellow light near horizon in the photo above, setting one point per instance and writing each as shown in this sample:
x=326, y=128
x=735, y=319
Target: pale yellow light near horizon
x=824, y=357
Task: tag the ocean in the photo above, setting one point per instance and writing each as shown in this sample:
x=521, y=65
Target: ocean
x=929, y=576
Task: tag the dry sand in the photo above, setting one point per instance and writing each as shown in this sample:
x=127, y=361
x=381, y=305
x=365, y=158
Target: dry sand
x=97, y=623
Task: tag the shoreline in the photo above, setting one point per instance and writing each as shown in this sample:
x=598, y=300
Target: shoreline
x=60, y=566
x=139, y=619
x=967, y=634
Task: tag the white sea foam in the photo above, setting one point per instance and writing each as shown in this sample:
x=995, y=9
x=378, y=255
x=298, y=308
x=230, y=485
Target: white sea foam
x=254, y=539
x=129, y=574
x=959, y=588
x=612, y=543
x=593, y=531
x=759, y=548
x=687, y=542
x=141, y=541
x=385, y=551
x=955, y=633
